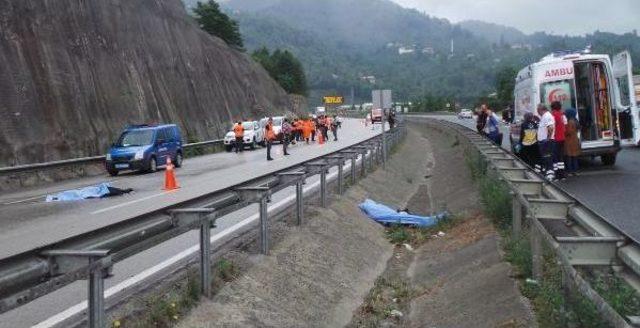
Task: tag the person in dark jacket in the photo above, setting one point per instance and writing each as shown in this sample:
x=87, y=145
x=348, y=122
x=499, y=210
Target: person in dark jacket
x=529, y=140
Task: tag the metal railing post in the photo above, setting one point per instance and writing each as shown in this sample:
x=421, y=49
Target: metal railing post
x=323, y=188
x=517, y=215
x=96, y=298
x=264, y=226
x=536, y=251
x=205, y=261
x=299, y=202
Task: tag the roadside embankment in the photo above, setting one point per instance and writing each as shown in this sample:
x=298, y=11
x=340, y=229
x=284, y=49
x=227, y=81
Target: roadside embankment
x=340, y=269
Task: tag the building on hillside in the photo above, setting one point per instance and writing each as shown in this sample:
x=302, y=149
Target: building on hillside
x=369, y=78
x=406, y=50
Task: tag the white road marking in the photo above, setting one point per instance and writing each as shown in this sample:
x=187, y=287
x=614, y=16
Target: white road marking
x=82, y=306
x=106, y=209
x=25, y=200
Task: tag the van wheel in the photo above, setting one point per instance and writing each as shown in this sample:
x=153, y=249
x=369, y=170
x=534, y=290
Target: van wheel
x=112, y=173
x=609, y=159
x=228, y=148
x=153, y=165
x=178, y=160
x=253, y=144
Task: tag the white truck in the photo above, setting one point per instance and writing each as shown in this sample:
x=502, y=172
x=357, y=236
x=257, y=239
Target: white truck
x=601, y=90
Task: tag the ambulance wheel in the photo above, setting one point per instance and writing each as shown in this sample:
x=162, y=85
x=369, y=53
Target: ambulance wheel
x=609, y=159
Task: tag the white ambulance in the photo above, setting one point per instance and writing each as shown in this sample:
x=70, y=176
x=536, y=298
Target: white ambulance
x=600, y=90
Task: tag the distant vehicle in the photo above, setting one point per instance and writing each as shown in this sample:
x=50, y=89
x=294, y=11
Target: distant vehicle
x=277, y=126
x=600, y=91
x=144, y=148
x=376, y=115
x=253, y=136
x=465, y=113
x=320, y=110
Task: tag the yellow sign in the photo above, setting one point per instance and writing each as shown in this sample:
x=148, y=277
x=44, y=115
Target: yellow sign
x=333, y=100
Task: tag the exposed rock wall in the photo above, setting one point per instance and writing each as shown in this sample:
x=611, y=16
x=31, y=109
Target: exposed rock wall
x=73, y=73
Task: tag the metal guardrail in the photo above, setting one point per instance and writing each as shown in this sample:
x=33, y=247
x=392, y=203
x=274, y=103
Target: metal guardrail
x=578, y=235
x=84, y=160
x=91, y=256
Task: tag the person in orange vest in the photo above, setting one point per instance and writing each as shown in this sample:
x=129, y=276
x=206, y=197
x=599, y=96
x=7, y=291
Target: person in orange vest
x=238, y=130
x=306, y=130
x=313, y=124
x=270, y=135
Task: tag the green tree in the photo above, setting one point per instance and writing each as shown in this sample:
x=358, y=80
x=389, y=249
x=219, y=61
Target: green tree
x=215, y=22
x=505, y=83
x=285, y=68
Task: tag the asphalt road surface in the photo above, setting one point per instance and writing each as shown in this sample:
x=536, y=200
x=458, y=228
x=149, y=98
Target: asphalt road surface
x=611, y=191
x=26, y=221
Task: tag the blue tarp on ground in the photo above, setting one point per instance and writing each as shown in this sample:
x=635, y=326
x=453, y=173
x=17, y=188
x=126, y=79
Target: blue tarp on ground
x=97, y=191
x=386, y=215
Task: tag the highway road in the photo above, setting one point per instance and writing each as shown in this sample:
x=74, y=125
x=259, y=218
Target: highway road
x=27, y=221
x=613, y=192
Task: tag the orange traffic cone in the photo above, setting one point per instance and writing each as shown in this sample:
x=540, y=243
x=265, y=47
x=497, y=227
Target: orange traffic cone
x=170, y=182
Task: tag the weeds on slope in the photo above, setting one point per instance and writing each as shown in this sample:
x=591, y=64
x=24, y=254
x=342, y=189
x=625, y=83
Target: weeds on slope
x=554, y=306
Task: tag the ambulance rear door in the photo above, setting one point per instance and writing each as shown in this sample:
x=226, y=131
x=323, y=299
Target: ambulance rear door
x=626, y=106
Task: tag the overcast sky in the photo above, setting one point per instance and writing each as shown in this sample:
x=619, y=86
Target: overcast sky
x=557, y=16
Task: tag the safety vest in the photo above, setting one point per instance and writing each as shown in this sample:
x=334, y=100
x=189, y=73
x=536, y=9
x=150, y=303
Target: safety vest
x=238, y=129
x=271, y=135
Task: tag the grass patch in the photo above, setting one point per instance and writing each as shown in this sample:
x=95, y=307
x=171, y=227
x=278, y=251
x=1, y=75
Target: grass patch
x=401, y=234
x=553, y=306
x=386, y=297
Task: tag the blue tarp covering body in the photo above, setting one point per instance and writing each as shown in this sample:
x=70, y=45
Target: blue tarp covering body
x=386, y=215
x=97, y=191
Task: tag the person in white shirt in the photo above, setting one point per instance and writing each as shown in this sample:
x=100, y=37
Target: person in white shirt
x=546, y=128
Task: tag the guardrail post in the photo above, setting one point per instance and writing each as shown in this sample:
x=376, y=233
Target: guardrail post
x=353, y=156
x=536, y=251
x=339, y=161
x=363, y=161
x=96, y=298
x=517, y=215
x=299, y=178
x=261, y=195
x=98, y=263
x=204, y=218
x=322, y=168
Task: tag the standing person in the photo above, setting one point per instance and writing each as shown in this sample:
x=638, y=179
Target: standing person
x=367, y=120
x=529, y=140
x=286, y=135
x=306, y=130
x=392, y=119
x=481, y=121
x=492, y=128
x=572, y=146
x=313, y=124
x=546, y=128
x=270, y=135
x=334, y=127
x=558, y=137
x=238, y=131
x=328, y=124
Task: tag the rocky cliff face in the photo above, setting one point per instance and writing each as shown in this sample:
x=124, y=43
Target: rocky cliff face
x=73, y=73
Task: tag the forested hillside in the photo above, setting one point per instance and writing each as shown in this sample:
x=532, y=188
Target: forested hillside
x=370, y=44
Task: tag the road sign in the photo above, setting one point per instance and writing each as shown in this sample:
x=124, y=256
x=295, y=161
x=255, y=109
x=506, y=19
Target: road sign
x=381, y=99
x=333, y=100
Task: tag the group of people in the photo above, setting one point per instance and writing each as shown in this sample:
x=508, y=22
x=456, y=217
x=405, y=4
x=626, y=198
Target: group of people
x=298, y=130
x=549, y=141
x=488, y=123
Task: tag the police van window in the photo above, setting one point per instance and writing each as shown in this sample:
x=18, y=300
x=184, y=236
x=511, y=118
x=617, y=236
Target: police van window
x=162, y=135
x=562, y=91
x=169, y=132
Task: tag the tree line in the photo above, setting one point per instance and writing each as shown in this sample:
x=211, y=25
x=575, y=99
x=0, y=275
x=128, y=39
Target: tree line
x=281, y=65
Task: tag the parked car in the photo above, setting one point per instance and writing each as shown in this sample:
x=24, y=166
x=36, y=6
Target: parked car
x=253, y=136
x=465, y=113
x=277, y=126
x=145, y=148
